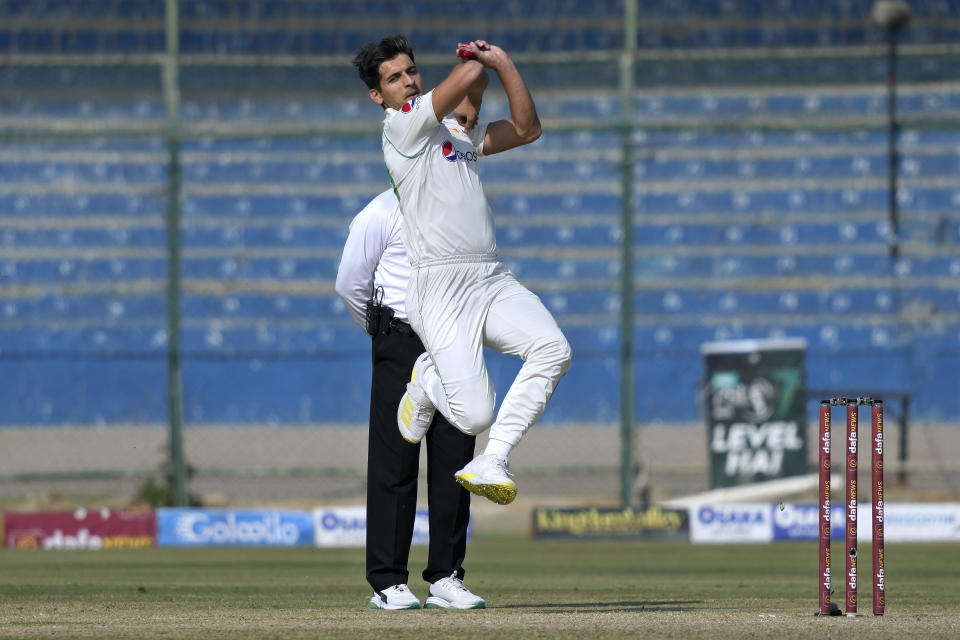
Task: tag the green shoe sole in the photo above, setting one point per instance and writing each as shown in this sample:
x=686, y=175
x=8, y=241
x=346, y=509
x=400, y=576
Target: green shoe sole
x=479, y=605
x=373, y=607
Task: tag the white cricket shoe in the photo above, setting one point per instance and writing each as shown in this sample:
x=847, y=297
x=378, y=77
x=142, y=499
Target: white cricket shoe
x=415, y=412
x=487, y=476
x=394, y=598
x=449, y=593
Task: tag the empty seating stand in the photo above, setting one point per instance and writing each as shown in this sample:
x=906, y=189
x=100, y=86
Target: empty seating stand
x=773, y=230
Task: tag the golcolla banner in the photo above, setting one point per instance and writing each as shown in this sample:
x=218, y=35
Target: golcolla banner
x=233, y=528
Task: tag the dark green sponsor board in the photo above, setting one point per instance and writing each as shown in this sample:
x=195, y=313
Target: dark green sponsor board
x=579, y=523
x=755, y=407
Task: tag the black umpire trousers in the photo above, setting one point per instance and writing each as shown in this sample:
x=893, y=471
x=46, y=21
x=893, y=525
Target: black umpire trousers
x=393, y=465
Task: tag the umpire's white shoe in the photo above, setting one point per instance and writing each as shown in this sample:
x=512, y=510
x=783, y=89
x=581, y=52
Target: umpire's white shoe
x=449, y=593
x=415, y=412
x=487, y=476
x=394, y=598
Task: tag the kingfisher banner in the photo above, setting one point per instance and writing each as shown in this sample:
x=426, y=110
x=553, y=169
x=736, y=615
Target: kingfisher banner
x=755, y=407
x=607, y=523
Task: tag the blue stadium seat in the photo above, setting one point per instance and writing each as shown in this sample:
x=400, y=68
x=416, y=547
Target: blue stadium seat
x=263, y=306
x=80, y=205
x=547, y=171
x=271, y=205
x=242, y=267
x=291, y=235
x=92, y=238
x=75, y=270
x=585, y=203
x=597, y=339
x=146, y=340
x=278, y=338
x=107, y=307
x=560, y=234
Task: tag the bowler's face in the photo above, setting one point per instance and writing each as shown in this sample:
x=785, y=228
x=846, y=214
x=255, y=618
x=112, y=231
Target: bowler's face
x=399, y=81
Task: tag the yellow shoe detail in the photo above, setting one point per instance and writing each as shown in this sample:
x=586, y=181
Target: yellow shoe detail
x=504, y=493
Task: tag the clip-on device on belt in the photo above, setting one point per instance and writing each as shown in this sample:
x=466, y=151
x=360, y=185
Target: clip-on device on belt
x=380, y=318
x=375, y=312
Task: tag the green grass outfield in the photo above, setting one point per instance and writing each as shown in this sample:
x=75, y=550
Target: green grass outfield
x=533, y=590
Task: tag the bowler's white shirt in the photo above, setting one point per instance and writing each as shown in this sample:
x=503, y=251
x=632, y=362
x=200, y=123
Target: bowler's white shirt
x=433, y=166
x=374, y=255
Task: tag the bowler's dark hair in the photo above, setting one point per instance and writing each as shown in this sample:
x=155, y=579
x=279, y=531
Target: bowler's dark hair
x=373, y=54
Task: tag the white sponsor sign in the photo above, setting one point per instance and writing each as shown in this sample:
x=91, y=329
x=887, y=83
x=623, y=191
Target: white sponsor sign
x=746, y=522
x=902, y=522
x=347, y=527
x=905, y=522
x=920, y=522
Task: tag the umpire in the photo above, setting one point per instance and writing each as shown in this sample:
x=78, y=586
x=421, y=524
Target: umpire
x=372, y=281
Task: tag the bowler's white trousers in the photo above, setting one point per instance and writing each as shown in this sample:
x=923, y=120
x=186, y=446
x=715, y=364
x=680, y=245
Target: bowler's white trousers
x=457, y=306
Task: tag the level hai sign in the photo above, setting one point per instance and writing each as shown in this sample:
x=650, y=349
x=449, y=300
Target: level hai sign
x=755, y=407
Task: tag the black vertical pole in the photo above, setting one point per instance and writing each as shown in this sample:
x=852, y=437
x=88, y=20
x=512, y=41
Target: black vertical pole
x=893, y=159
x=171, y=84
x=627, y=419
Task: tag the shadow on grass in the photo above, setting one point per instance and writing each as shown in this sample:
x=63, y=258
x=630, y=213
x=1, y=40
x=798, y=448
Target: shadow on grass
x=637, y=606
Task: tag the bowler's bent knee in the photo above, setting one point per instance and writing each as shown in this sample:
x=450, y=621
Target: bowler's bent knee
x=475, y=418
x=554, y=356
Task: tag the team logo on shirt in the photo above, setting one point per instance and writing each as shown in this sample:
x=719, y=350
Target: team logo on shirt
x=452, y=155
x=409, y=105
x=449, y=152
